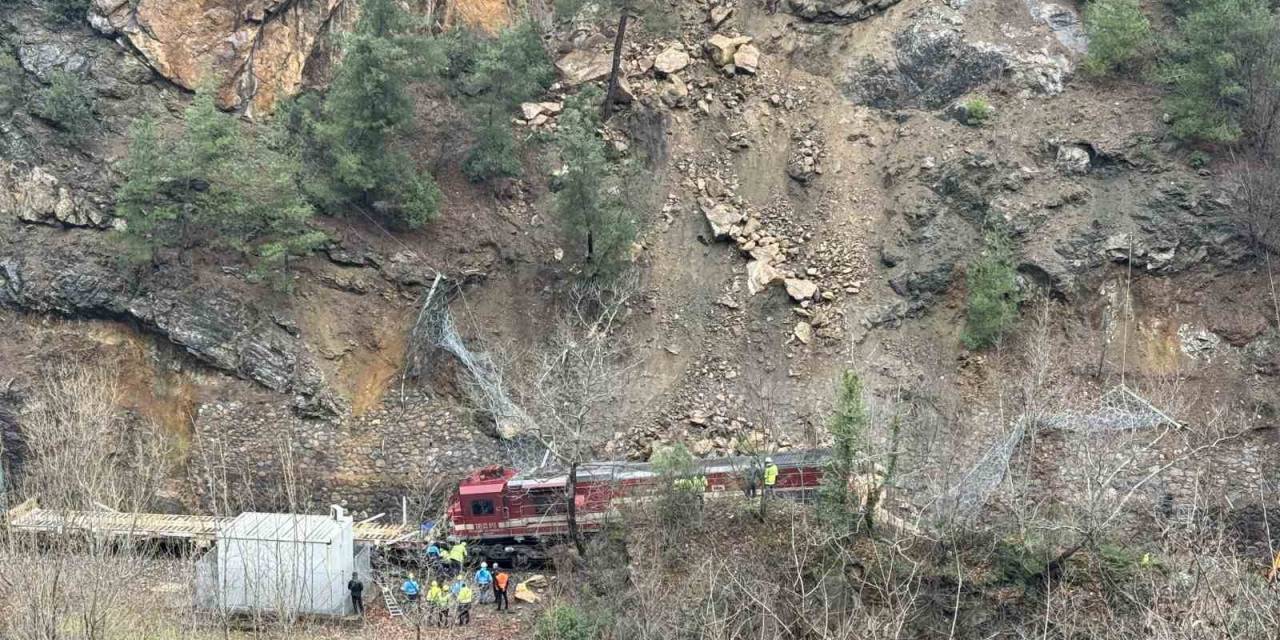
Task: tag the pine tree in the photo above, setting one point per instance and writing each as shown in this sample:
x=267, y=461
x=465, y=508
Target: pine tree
x=1224, y=72
x=510, y=69
x=366, y=109
x=1119, y=35
x=212, y=187
x=993, y=295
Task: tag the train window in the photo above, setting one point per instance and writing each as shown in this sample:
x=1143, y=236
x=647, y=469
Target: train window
x=481, y=507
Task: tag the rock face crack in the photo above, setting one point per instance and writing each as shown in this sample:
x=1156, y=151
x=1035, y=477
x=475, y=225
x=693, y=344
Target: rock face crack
x=209, y=322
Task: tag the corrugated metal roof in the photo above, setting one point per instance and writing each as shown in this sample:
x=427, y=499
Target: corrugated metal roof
x=281, y=527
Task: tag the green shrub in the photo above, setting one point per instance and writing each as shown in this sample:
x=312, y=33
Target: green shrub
x=977, y=111
x=68, y=103
x=564, y=622
x=1198, y=159
x=848, y=427
x=1224, y=72
x=1119, y=36
x=213, y=187
x=993, y=298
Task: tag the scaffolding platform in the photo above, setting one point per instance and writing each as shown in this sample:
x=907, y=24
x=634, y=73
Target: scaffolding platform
x=29, y=517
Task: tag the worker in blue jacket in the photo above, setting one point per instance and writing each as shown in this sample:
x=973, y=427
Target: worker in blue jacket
x=484, y=578
x=410, y=589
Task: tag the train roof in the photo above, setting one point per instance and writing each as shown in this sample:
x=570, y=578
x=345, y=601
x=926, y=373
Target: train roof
x=620, y=471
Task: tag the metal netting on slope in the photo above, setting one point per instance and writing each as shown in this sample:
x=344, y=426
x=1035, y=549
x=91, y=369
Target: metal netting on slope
x=1119, y=409
x=435, y=328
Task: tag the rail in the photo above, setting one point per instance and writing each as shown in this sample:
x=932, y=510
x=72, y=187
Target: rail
x=29, y=517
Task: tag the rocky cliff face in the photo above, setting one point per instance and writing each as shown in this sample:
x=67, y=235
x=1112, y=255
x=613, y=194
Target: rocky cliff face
x=253, y=53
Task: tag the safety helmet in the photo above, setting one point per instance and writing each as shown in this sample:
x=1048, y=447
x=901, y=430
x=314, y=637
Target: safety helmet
x=484, y=565
x=768, y=460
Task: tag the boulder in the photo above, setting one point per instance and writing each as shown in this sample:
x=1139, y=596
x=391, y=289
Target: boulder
x=671, y=60
x=530, y=110
x=722, y=218
x=253, y=53
x=747, y=58
x=718, y=15
x=760, y=274
x=537, y=581
x=525, y=594
x=673, y=92
x=1073, y=158
x=720, y=48
x=800, y=289
x=35, y=195
x=803, y=332
x=582, y=66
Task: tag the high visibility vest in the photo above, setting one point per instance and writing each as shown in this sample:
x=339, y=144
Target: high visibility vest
x=436, y=595
x=458, y=552
x=502, y=581
x=771, y=475
x=465, y=596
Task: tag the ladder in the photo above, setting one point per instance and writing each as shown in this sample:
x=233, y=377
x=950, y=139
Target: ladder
x=389, y=599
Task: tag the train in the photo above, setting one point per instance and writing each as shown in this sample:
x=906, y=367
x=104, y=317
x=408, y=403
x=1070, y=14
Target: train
x=512, y=516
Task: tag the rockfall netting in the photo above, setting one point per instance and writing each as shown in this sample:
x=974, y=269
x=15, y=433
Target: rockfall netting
x=435, y=329
x=1119, y=409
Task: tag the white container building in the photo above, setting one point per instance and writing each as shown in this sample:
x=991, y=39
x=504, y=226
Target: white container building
x=282, y=565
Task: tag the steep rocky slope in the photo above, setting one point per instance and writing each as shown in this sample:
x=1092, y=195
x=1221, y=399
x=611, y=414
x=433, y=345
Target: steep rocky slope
x=819, y=197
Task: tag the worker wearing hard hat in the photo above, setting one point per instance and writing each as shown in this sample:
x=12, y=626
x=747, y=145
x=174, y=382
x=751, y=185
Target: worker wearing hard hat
x=465, y=596
x=410, y=589
x=484, y=580
x=770, y=476
x=438, y=598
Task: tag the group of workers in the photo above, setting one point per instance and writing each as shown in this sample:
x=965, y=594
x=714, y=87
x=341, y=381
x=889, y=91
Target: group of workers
x=769, y=476
x=460, y=595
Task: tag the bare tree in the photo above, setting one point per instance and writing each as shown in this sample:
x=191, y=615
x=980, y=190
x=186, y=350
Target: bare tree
x=580, y=373
x=82, y=454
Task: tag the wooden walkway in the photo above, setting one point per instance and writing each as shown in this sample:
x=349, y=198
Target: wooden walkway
x=28, y=516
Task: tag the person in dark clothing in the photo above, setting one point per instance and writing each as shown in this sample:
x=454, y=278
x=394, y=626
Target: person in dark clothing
x=357, y=594
x=500, y=590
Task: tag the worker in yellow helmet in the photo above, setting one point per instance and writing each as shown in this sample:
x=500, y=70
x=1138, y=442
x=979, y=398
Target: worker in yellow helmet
x=770, y=476
x=465, y=596
x=438, y=598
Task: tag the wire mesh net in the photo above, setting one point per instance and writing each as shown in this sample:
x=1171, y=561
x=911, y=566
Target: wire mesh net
x=1119, y=409
x=435, y=328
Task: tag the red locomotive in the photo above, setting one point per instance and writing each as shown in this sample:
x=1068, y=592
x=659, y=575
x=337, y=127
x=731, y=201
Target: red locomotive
x=510, y=516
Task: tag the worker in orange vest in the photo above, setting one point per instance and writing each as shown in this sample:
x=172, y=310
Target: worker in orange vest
x=500, y=582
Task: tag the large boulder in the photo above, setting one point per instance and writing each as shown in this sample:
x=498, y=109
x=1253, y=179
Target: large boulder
x=720, y=48
x=760, y=276
x=254, y=52
x=722, y=218
x=671, y=60
x=583, y=66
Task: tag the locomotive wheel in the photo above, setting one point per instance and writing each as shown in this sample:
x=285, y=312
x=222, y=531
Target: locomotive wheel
x=520, y=560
